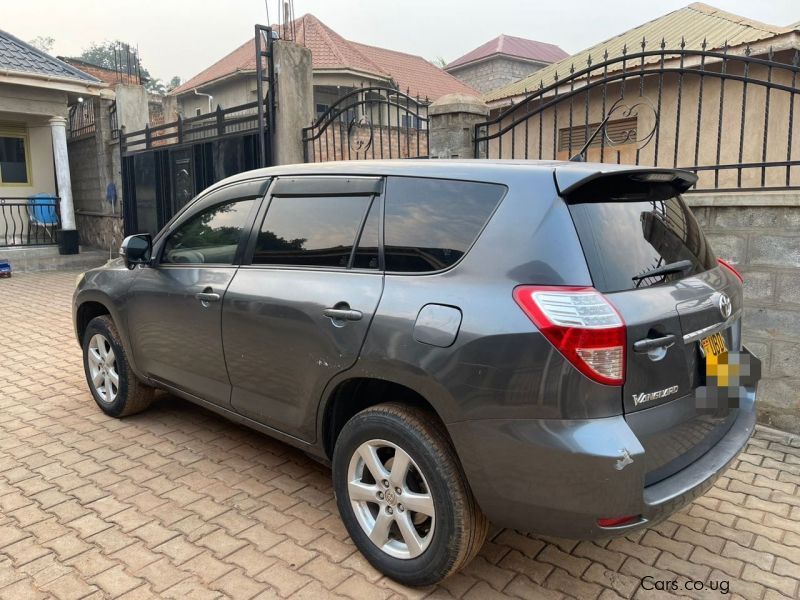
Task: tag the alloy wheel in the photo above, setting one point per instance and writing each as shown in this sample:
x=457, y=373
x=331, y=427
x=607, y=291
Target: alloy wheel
x=103, y=368
x=391, y=499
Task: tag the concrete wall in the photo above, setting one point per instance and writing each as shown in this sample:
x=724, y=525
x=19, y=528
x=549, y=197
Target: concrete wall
x=494, y=72
x=234, y=91
x=294, y=101
x=760, y=233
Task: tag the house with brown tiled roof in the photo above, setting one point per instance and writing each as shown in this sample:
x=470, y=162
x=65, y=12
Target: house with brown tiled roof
x=503, y=60
x=339, y=66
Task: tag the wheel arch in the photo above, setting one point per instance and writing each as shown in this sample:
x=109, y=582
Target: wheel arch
x=352, y=394
x=93, y=303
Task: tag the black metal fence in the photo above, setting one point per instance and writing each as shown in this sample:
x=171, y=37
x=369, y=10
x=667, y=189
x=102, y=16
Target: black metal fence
x=725, y=114
x=368, y=123
x=82, y=119
x=29, y=221
x=113, y=120
x=220, y=123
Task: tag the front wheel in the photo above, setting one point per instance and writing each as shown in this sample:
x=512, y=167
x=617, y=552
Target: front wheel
x=403, y=496
x=114, y=386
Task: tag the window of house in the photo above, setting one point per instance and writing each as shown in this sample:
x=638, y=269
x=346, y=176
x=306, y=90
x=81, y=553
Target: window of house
x=410, y=121
x=14, y=163
x=617, y=132
x=211, y=236
x=314, y=231
x=431, y=223
x=321, y=109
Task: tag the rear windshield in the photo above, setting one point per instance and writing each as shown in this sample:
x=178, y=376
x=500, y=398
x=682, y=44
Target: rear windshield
x=624, y=240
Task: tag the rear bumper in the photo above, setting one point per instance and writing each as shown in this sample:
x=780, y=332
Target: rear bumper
x=558, y=477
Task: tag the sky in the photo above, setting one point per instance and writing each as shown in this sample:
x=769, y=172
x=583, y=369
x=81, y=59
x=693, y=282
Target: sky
x=182, y=37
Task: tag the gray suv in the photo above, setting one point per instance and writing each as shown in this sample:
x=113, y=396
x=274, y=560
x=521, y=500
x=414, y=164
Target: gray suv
x=524, y=343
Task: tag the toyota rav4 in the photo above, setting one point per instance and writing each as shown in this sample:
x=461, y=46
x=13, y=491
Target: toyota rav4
x=464, y=342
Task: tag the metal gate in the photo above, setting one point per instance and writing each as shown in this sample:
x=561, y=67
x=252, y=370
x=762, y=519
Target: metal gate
x=165, y=166
x=368, y=123
x=724, y=114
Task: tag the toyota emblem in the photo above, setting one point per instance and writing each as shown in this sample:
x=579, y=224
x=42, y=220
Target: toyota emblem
x=724, y=306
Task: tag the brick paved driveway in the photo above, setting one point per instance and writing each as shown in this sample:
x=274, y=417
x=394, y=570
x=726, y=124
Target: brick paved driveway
x=176, y=502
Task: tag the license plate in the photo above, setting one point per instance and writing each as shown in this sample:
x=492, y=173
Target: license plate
x=713, y=345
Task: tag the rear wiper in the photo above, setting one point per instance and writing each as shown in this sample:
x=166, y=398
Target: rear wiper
x=678, y=266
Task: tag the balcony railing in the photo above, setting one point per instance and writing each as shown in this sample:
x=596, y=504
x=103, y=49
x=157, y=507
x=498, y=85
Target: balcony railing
x=30, y=221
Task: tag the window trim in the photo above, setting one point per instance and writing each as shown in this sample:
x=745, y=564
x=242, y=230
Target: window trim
x=243, y=235
x=23, y=134
x=249, y=251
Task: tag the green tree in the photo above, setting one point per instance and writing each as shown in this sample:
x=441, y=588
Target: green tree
x=107, y=54
x=43, y=42
x=174, y=82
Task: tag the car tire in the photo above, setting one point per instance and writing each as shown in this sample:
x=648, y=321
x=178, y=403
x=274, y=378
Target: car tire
x=114, y=386
x=431, y=480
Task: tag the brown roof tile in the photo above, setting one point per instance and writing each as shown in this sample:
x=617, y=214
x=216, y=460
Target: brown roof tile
x=512, y=46
x=330, y=51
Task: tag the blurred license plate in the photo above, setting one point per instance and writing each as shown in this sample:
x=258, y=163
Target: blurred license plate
x=713, y=345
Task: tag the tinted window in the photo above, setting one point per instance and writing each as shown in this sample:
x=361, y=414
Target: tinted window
x=366, y=256
x=315, y=231
x=210, y=236
x=431, y=223
x=622, y=240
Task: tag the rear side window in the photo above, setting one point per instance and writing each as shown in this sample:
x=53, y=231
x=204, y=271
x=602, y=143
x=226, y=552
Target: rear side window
x=310, y=231
x=431, y=223
x=623, y=241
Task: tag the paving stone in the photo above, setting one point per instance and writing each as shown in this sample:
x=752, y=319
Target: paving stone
x=178, y=503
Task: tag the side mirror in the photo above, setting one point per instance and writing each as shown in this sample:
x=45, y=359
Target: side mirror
x=136, y=249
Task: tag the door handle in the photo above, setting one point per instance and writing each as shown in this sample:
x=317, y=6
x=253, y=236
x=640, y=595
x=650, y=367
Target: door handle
x=649, y=344
x=206, y=296
x=343, y=314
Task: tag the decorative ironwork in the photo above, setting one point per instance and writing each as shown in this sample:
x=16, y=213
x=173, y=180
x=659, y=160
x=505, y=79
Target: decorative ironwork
x=81, y=119
x=31, y=221
x=734, y=136
x=368, y=123
x=359, y=134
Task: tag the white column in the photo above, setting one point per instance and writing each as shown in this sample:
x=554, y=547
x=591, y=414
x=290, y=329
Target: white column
x=58, y=127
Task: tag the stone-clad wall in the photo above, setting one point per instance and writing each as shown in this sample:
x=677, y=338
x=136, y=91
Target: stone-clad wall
x=760, y=233
x=495, y=72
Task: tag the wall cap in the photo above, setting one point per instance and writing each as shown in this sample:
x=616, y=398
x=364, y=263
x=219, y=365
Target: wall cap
x=458, y=103
x=744, y=199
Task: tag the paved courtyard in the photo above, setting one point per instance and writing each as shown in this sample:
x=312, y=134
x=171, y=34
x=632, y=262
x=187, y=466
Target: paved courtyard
x=177, y=503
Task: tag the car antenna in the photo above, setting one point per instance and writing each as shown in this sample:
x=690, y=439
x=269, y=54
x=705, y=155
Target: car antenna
x=581, y=155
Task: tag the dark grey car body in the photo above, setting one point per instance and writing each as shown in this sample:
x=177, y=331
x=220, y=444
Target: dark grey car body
x=544, y=448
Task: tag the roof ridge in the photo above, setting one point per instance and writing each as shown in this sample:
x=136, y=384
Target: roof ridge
x=327, y=31
x=719, y=13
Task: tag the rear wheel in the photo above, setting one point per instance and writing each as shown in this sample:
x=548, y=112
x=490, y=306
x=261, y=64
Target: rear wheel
x=403, y=496
x=114, y=386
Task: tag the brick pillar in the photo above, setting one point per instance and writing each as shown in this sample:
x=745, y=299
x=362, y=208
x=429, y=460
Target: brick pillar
x=452, y=125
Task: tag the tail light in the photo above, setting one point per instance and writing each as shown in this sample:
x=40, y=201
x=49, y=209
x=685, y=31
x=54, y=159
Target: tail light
x=730, y=268
x=582, y=324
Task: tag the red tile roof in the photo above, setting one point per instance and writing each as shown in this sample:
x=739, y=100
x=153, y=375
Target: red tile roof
x=330, y=51
x=109, y=76
x=416, y=75
x=512, y=46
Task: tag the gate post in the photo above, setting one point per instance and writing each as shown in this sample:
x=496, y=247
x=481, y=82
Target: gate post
x=294, y=101
x=452, y=125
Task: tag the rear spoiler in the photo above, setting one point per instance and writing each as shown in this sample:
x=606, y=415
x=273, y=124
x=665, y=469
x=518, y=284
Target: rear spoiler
x=584, y=185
